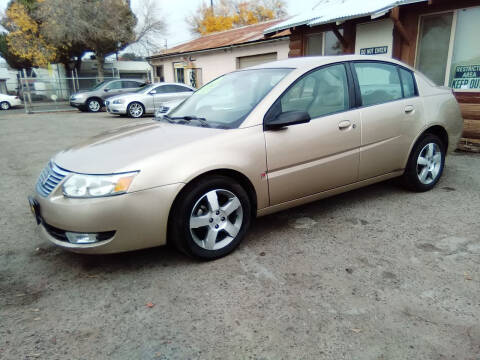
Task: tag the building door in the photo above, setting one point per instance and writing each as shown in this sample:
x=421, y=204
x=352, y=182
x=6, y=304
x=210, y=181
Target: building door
x=247, y=61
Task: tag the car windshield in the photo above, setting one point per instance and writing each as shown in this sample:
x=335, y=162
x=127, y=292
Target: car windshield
x=226, y=101
x=98, y=86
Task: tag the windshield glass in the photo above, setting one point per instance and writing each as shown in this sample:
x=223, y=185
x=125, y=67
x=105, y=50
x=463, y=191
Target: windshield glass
x=98, y=86
x=225, y=102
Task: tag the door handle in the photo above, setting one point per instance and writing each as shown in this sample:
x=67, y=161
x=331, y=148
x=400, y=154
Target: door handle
x=409, y=109
x=344, y=124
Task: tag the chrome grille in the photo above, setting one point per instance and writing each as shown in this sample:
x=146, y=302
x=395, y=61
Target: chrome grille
x=49, y=178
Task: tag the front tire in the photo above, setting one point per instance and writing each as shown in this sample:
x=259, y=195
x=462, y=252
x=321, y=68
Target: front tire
x=425, y=165
x=94, y=105
x=5, y=105
x=210, y=218
x=135, y=110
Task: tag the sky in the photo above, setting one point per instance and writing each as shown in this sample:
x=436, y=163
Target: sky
x=175, y=12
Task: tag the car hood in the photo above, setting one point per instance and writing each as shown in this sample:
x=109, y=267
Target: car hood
x=125, y=148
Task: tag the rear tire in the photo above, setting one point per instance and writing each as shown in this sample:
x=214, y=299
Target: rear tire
x=210, y=218
x=5, y=105
x=425, y=164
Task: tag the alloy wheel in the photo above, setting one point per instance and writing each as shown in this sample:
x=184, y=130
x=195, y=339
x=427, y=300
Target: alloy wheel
x=216, y=219
x=5, y=105
x=429, y=163
x=135, y=110
x=93, y=105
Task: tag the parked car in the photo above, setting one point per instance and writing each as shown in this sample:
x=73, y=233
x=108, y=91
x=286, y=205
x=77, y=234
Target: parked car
x=93, y=100
x=250, y=143
x=9, y=101
x=147, y=99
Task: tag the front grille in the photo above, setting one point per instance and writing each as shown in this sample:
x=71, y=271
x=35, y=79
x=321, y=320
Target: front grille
x=49, y=178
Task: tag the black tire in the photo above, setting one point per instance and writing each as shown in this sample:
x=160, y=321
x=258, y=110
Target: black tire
x=5, y=105
x=139, y=107
x=94, y=105
x=411, y=178
x=180, y=234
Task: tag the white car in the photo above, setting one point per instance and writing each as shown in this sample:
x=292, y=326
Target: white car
x=148, y=99
x=8, y=101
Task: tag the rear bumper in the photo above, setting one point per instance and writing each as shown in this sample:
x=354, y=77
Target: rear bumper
x=127, y=222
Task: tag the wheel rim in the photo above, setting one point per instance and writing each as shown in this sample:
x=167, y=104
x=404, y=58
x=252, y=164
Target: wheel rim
x=5, y=106
x=429, y=163
x=136, y=110
x=216, y=219
x=94, y=105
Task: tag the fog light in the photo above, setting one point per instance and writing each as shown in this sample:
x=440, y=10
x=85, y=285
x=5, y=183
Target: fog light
x=78, y=238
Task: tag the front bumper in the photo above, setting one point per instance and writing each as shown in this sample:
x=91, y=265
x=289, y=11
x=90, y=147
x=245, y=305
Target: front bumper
x=131, y=221
x=116, y=108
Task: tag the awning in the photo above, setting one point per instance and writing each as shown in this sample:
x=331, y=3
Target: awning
x=330, y=11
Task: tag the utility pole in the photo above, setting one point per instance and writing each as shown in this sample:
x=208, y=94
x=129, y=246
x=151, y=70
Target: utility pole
x=211, y=5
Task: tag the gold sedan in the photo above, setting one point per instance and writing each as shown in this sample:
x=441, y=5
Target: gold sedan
x=247, y=144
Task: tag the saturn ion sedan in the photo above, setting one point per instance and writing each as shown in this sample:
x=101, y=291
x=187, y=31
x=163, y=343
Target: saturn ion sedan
x=247, y=144
x=147, y=100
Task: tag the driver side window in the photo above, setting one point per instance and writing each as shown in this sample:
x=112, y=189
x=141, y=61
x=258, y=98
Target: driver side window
x=322, y=92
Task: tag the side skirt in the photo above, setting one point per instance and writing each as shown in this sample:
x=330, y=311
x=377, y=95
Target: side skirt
x=327, y=193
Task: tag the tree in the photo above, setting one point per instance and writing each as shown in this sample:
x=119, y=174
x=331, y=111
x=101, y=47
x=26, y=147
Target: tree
x=24, y=38
x=149, y=29
x=228, y=14
x=43, y=31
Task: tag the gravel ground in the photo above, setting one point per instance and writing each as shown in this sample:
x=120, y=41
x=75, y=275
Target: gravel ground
x=377, y=273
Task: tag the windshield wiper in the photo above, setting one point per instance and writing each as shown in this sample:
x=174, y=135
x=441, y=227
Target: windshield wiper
x=202, y=121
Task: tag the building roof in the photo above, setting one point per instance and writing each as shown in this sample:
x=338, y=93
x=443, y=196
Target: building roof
x=234, y=37
x=329, y=11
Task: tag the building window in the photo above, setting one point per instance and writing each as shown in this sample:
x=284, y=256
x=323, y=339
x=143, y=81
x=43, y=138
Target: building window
x=325, y=43
x=465, y=68
x=447, y=48
x=180, y=75
x=434, y=40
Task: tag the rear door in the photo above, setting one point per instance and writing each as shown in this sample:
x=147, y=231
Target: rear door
x=131, y=85
x=113, y=88
x=390, y=115
x=323, y=154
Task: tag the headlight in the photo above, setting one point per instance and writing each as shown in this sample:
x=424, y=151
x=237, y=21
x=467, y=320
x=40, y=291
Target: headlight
x=88, y=186
x=118, y=101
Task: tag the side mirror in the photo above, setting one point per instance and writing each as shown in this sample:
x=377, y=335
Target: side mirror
x=153, y=92
x=106, y=89
x=288, y=118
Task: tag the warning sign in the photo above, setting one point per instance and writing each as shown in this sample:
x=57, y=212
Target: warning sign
x=466, y=77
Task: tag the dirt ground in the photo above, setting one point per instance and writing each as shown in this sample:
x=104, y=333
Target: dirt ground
x=377, y=273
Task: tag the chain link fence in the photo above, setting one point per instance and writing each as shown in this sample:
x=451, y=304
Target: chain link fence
x=51, y=91
x=46, y=94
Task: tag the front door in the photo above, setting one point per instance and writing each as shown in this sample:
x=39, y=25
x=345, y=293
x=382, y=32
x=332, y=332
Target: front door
x=320, y=155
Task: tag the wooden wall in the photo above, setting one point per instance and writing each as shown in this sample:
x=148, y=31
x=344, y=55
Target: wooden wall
x=405, y=50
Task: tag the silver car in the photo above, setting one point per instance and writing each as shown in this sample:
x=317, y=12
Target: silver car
x=148, y=99
x=93, y=100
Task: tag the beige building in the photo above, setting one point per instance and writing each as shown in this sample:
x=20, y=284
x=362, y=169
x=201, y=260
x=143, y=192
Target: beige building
x=201, y=60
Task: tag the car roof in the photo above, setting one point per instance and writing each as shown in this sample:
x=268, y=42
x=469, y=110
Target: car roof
x=311, y=62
